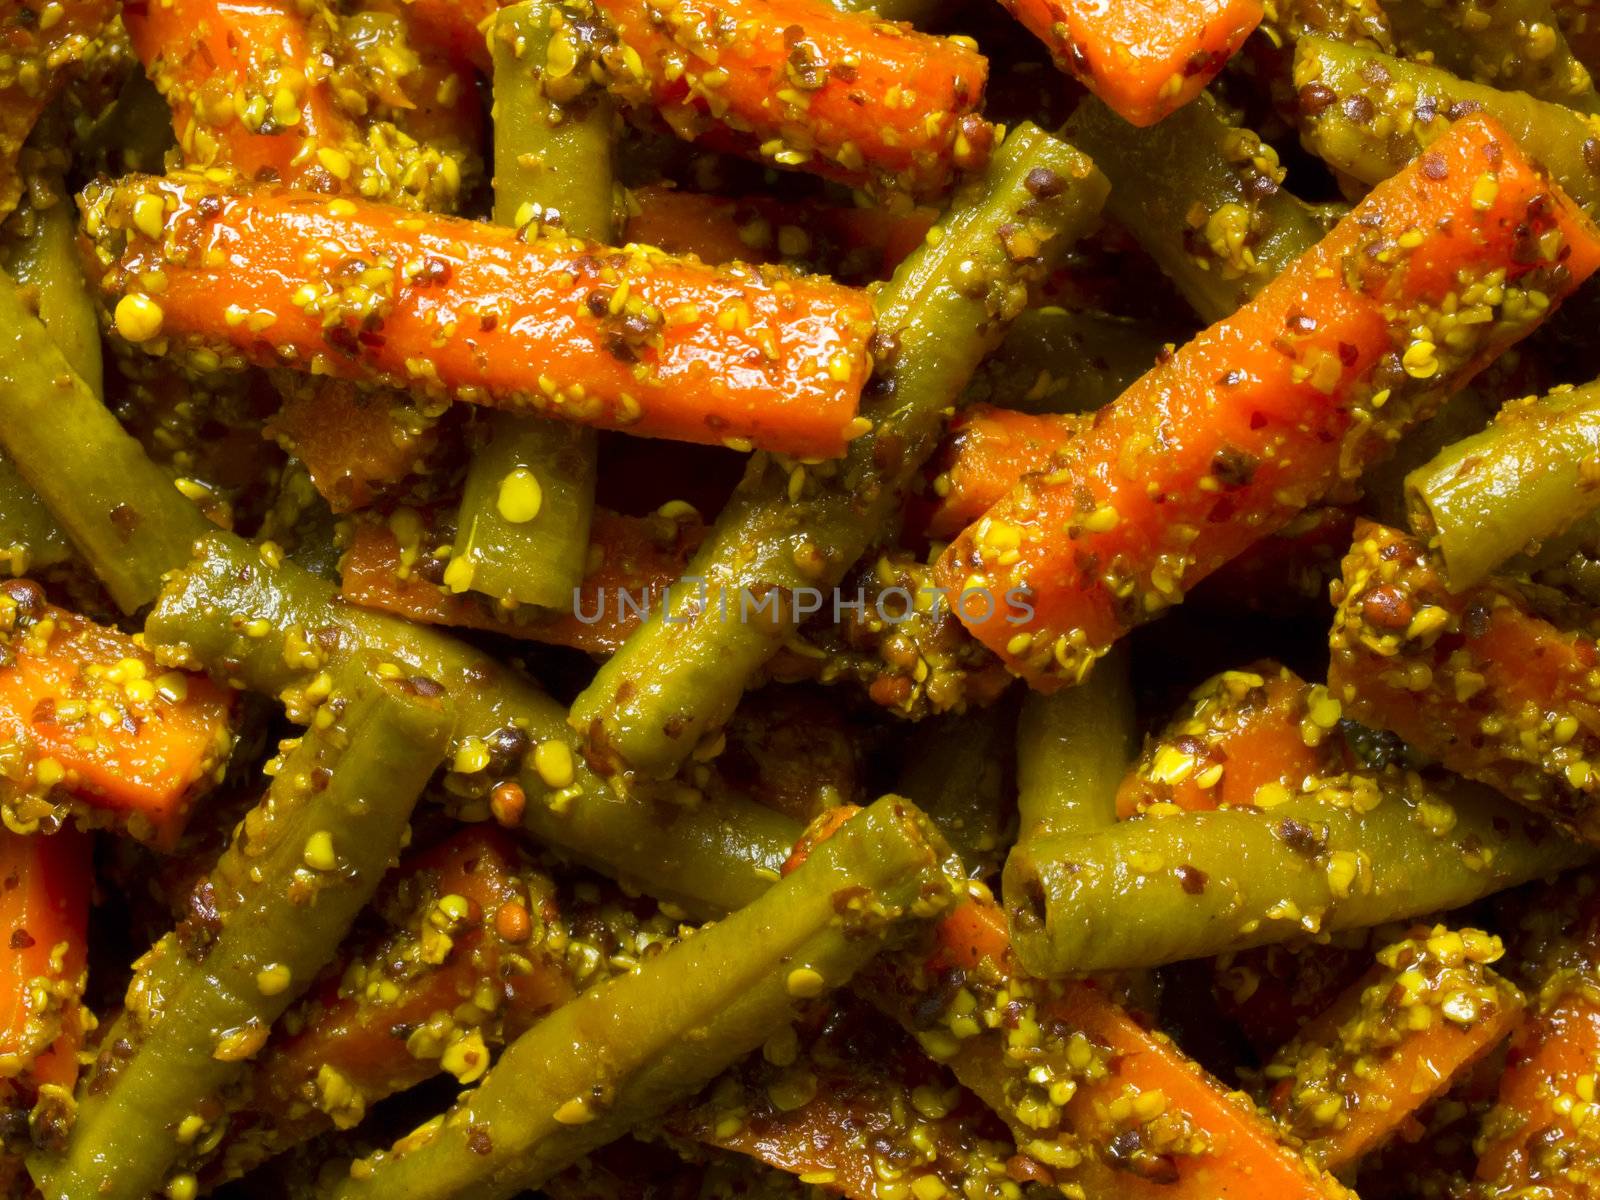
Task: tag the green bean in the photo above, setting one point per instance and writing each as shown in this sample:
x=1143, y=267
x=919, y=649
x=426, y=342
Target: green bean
x=1058, y=360
x=1204, y=198
x=1073, y=748
x=44, y=261
x=273, y=627
x=1514, y=45
x=302, y=864
x=42, y=258
x=627, y=1050
x=523, y=531
x=1368, y=114
x=1359, y=851
x=956, y=768
x=120, y=511
x=791, y=527
x=1527, y=477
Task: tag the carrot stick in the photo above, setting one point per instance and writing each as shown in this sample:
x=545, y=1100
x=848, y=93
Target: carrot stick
x=1095, y=1100
x=455, y=309
x=1533, y=1141
x=986, y=453
x=633, y=560
x=38, y=53
x=87, y=710
x=243, y=83
x=852, y=243
x=45, y=882
x=1246, y=738
x=1392, y=1042
x=1146, y=58
x=1492, y=689
x=800, y=84
x=250, y=89
x=1436, y=272
x=463, y=965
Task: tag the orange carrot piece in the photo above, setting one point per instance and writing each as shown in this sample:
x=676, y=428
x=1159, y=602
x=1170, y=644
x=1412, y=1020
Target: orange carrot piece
x=1094, y=1099
x=1246, y=737
x=1274, y=407
x=1144, y=58
x=798, y=83
x=45, y=882
x=852, y=243
x=1538, y=1139
x=354, y=442
x=987, y=451
x=379, y=1022
x=622, y=339
x=88, y=710
x=1392, y=1042
x=37, y=54
x=246, y=84
x=1480, y=681
x=639, y=557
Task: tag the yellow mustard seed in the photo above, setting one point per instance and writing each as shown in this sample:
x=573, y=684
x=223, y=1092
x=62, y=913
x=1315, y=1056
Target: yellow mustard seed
x=319, y=854
x=804, y=983
x=138, y=318
x=272, y=980
x=520, y=497
x=553, y=760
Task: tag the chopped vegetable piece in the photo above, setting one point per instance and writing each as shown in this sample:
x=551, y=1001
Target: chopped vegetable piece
x=1270, y=410
x=800, y=84
x=1096, y=1101
x=1527, y=477
x=1479, y=680
x=88, y=715
x=250, y=92
x=626, y=339
x=1353, y=850
x=1514, y=45
x=1072, y=749
x=1145, y=59
x=1395, y=1040
x=1369, y=114
x=1246, y=738
x=987, y=452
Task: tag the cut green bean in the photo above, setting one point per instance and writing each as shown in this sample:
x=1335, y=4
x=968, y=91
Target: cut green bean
x=44, y=261
x=523, y=531
x=1369, y=114
x=1073, y=748
x=553, y=131
x=1514, y=45
x=957, y=769
x=42, y=257
x=1204, y=197
x=302, y=864
x=1360, y=851
x=654, y=1037
x=1532, y=474
x=1058, y=360
x=792, y=529
x=119, y=509
x=269, y=625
